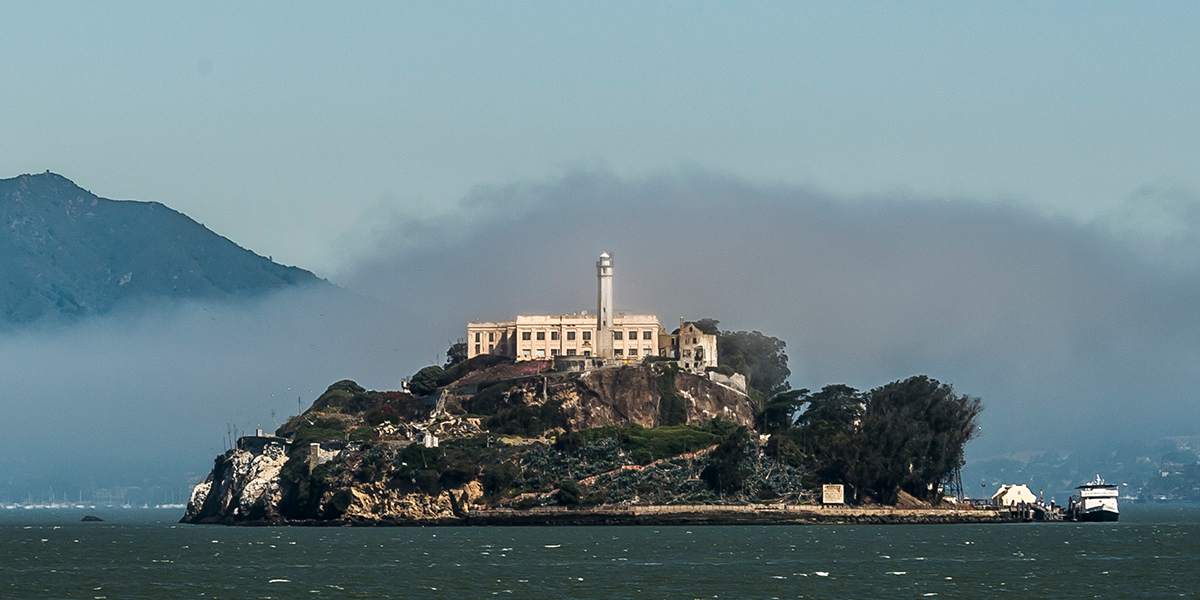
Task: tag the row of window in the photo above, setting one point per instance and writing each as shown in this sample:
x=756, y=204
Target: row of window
x=491, y=336
x=587, y=335
x=541, y=352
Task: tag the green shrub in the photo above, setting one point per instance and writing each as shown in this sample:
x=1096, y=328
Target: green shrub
x=425, y=381
x=339, y=503
x=672, y=408
x=362, y=434
x=490, y=399
x=568, y=492
x=527, y=421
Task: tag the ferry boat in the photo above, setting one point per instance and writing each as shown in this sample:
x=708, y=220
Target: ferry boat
x=1096, y=501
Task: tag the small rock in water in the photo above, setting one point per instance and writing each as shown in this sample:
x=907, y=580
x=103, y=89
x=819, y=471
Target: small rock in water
x=91, y=518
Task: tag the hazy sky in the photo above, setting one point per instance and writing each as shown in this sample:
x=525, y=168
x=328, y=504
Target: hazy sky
x=290, y=126
x=1006, y=199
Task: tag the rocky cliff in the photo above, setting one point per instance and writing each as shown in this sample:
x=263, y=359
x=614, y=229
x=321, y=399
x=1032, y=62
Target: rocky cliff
x=642, y=434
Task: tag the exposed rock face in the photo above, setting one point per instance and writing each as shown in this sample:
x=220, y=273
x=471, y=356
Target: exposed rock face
x=707, y=401
x=244, y=484
x=377, y=501
x=358, y=457
x=620, y=397
x=630, y=395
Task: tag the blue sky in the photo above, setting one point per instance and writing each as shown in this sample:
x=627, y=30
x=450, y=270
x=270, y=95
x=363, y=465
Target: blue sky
x=291, y=127
x=1004, y=196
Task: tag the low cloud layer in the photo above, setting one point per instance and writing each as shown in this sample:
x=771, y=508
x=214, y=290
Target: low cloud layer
x=1074, y=339
x=1070, y=333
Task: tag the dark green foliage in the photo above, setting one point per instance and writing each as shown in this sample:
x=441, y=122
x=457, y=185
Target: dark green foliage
x=479, y=363
x=396, y=407
x=339, y=503
x=905, y=435
x=708, y=326
x=458, y=462
x=296, y=466
x=416, y=457
x=917, y=428
x=780, y=413
x=725, y=370
x=761, y=358
x=498, y=478
x=643, y=445
x=489, y=400
x=425, y=381
x=457, y=353
x=569, y=492
x=725, y=472
x=720, y=428
x=672, y=408
x=783, y=448
x=429, y=481
x=456, y=471
x=320, y=430
x=527, y=421
x=361, y=434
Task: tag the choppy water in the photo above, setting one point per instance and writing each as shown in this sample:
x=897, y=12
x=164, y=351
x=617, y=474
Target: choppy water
x=1154, y=552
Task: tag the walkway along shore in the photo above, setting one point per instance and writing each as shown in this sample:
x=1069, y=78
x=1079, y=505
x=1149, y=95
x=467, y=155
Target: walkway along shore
x=773, y=514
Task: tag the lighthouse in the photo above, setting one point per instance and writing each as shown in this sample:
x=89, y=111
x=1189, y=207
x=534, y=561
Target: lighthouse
x=604, y=306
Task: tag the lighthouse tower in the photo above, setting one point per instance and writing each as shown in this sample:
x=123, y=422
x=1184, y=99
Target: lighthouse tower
x=604, y=306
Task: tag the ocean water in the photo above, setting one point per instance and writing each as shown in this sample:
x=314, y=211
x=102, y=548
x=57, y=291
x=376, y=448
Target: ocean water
x=1153, y=552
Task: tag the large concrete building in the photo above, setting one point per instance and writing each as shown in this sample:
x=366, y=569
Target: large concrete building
x=607, y=336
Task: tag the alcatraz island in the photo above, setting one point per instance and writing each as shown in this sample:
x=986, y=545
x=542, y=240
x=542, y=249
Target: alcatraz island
x=604, y=418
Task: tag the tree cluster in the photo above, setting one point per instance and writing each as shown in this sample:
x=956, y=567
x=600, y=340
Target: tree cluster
x=904, y=436
x=762, y=359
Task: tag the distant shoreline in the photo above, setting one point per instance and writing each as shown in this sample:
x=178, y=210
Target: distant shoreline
x=680, y=515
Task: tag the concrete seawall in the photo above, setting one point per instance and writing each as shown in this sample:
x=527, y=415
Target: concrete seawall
x=731, y=515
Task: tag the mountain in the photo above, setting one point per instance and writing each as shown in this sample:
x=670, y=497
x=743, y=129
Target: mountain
x=67, y=254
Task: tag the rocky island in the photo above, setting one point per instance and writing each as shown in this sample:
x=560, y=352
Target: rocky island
x=501, y=442
x=604, y=418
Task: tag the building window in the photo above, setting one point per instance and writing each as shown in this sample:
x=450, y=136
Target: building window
x=554, y=335
x=633, y=352
x=541, y=353
x=570, y=335
x=587, y=353
x=618, y=352
x=491, y=336
x=476, y=348
x=554, y=352
x=525, y=335
x=490, y=347
x=617, y=335
x=477, y=336
x=570, y=352
x=587, y=335
x=647, y=335
x=633, y=335
x=525, y=353
x=687, y=352
x=541, y=335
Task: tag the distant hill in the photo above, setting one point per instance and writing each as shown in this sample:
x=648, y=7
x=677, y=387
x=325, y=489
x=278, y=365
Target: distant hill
x=66, y=253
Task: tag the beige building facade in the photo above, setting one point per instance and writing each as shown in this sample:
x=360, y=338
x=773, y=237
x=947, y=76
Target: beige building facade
x=543, y=337
x=607, y=336
x=694, y=349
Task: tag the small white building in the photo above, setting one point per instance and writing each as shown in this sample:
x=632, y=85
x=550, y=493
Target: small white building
x=1012, y=495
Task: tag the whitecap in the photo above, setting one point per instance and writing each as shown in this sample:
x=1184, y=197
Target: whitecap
x=822, y=573
x=896, y=573
x=280, y=581
x=553, y=545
